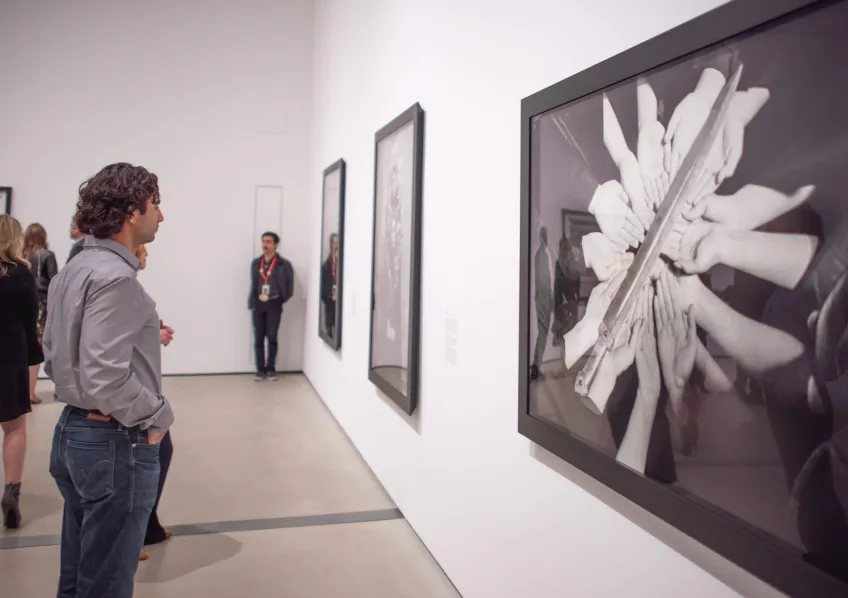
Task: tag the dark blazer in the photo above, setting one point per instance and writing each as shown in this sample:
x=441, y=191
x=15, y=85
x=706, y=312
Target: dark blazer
x=18, y=315
x=78, y=246
x=44, y=268
x=281, y=281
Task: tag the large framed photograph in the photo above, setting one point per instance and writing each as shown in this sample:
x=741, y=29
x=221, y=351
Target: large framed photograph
x=5, y=200
x=332, y=255
x=684, y=283
x=396, y=255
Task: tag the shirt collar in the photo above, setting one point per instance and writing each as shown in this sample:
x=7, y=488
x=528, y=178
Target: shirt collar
x=115, y=247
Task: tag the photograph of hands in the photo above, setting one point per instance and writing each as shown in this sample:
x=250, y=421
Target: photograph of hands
x=726, y=375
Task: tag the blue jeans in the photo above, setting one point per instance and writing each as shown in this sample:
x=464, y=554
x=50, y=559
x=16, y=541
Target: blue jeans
x=108, y=475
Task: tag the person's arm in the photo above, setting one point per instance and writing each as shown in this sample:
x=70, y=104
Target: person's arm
x=251, y=294
x=715, y=379
x=51, y=267
x=289, y=270
x=29, y=309
x=633, y=451
x=613, y=136
x=114, y=317
x=757, y=347
x=775, y=257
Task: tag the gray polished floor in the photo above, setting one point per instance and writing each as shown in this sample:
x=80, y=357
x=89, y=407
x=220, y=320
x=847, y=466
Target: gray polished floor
x=266, y=497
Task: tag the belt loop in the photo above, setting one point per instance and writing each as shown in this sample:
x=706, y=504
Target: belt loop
x=63, y=418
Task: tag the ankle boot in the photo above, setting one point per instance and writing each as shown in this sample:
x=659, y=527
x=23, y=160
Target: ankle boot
x=10, y=506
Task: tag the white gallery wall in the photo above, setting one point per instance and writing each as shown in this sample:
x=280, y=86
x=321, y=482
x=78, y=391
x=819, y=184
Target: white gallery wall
x=211, y=95
x=503, y=518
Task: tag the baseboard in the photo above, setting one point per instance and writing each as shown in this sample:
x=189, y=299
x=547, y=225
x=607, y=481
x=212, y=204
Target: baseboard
x=282, y=373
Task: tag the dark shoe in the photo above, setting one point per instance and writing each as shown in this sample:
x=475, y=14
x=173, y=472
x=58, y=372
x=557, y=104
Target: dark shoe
x=10, y=505
x=259, y=377
x=272, y=376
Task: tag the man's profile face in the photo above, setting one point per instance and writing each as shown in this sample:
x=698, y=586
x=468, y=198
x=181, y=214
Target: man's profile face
x=147, y=224
x=268, y=245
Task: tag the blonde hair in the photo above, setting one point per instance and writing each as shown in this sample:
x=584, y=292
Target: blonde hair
x=11, y=244
x=141, y=254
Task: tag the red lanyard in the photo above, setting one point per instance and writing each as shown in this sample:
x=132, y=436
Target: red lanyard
x=265, y=276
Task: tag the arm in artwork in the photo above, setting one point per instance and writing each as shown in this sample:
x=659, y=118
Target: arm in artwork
x=749, y=208
x=628, y=165
x=633, y=451
x=649, y=148
x=580, y=339
x=757, y=347
x=715, y=379
x=775, y=257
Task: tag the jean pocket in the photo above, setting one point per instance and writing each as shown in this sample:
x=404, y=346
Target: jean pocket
x=92, y=468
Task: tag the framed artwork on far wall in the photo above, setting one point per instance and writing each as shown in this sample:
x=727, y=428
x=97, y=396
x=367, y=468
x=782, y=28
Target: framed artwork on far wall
x=684, y=283
x=332, y=255
x=5, y=200
x=396, y=259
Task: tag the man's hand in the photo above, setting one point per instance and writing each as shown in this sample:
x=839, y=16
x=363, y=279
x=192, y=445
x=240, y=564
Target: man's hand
x=616, y=219
x=155, y=438
x=604, y=257
x=649, y=152
x=676, y=338
x=166, y=334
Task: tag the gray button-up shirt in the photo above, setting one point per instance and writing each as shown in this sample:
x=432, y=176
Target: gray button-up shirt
x=101, y=340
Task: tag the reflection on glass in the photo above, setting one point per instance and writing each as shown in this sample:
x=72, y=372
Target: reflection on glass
x=392, y=258
x=330, y=257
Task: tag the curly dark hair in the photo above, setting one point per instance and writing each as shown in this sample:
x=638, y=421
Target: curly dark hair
x=109, y=198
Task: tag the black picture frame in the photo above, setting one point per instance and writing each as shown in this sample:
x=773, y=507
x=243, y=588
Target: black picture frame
x=379, y=374
x=743, y=544
x=6, y=200
x=334, y=340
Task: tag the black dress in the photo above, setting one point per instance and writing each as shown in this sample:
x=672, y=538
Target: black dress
x=19, y=346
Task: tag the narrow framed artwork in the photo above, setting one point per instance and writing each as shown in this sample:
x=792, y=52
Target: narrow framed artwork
x=684, y=283
x=5, y=200
x=332, y=255
x=396, y=259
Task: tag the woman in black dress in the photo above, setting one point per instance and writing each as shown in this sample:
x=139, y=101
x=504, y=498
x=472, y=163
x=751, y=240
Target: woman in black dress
x=42, y=263
x=19, y=349
x=155, y=532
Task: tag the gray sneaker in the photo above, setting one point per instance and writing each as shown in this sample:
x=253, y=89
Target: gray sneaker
x=272, y=376
x=258, y=377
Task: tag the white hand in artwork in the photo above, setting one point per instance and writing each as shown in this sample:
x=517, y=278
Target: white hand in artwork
x=605, y=257
x=601, y=297
x=685, y=123
x=634, y=186
x=649, y=151
x=616, y=219
x=580, y=339
x=749, y=208
x=676, y=338
x=647, y=363
x=696, y=246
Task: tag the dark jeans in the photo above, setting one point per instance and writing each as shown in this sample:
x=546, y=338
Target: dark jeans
x=155, y=532
x=108, y=475
x=266, y=324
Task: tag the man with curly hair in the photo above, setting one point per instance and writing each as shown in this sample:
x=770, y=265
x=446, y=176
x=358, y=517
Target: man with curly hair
x=102, y=350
